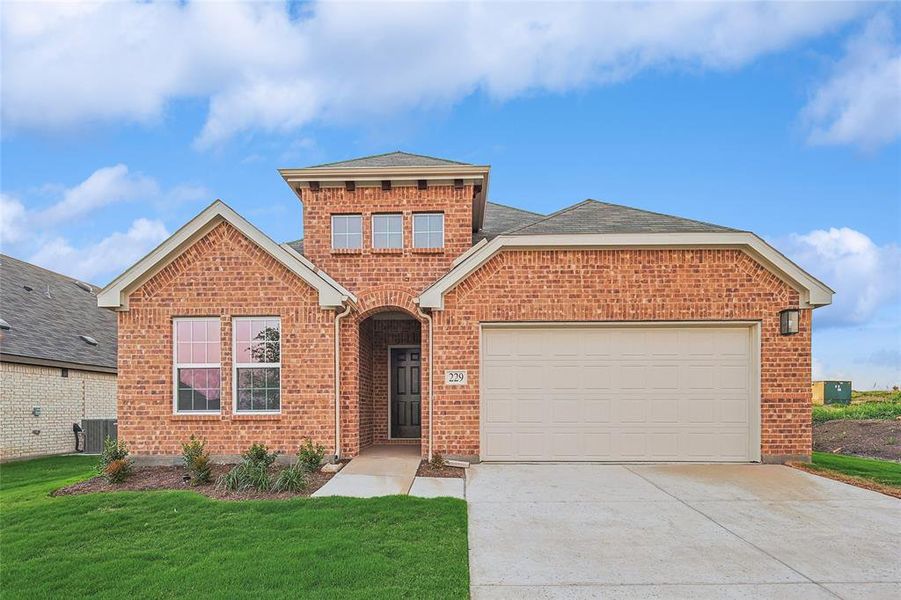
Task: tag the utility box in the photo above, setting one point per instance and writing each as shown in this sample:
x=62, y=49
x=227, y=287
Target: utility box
x=831, y=392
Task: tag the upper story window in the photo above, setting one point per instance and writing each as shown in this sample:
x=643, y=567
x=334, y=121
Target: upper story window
x=196, y=365
x=347, y=231
x=428, y=230
x=388, y=231
x=257, y=364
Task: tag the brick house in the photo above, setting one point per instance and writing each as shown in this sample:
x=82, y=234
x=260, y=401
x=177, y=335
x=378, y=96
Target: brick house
x=57, y=359
x=416, y=312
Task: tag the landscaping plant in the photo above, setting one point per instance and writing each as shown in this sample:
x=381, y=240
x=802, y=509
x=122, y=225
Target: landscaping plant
x=252, y=473
x=114, y=462
x=258, y=454
x=291, y=479
x=197, y=461
x=117, y=470
x=437, y=461
x=310, y=456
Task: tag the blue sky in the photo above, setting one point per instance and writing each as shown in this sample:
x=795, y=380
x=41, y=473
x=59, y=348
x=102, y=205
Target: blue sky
x=121, y=121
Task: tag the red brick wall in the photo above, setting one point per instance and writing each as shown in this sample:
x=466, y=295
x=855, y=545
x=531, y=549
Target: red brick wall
x=624, y=285
x=224, y=275
x=408, y=268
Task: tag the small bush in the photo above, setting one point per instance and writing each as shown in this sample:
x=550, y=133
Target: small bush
x=112, y=451
x=246, y=476
x=117, y=471
x=259, y=455
x=197, y=461
x=310, y=456
x=437, y=461
x=291, y=479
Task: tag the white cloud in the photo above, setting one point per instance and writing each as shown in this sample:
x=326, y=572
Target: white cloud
x=864, y=275
x=112, y=254
x=860, y=104
x=105, y=186
x=262, y=69
x=12, y=220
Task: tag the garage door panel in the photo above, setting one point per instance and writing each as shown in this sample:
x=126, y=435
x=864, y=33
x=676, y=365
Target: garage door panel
x=617, y=394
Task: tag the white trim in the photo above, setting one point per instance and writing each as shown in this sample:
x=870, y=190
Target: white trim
x=754, y=409
x=420, y=389
x=115, y=295
x=813, y=292
x=345, y=216
x=176, y=365
x=236, y=365
x=372, y=232
x=428, y=214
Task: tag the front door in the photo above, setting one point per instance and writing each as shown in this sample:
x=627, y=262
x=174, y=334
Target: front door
x=405, y=395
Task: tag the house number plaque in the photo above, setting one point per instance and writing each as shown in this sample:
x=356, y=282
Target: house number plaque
x=455, y=377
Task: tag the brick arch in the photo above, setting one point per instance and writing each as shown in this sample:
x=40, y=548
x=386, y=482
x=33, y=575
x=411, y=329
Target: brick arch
x=385, y=299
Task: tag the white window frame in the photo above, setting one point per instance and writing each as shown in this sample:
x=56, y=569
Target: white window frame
x=429, y=214
x=236, y=365
x=388, y=233
x=359, y=217
x=177, y=365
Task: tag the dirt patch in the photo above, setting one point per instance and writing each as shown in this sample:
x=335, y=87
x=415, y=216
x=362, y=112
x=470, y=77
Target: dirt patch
x=426, y=470
x=856, y=481
x=870, y=438
x=171, y=478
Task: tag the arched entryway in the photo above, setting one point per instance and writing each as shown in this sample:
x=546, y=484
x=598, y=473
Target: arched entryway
x=390, y=383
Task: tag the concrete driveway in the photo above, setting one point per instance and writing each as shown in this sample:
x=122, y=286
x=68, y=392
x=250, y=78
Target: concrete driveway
x=678, y=531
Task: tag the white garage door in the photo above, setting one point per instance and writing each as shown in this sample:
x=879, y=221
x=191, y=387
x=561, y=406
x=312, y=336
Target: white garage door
x=683, y=393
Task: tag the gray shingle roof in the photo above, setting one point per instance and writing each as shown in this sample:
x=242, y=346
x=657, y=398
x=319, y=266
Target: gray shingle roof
x=48, y=327
x=297, y=245
x=592, y=216
x=500, y=218
x=391, y=159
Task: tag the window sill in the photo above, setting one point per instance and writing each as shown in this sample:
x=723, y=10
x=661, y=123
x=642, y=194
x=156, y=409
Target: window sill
x=196, y=417
x=347, y=251
x=428, y=250
x=256, y=417
x=387, y=250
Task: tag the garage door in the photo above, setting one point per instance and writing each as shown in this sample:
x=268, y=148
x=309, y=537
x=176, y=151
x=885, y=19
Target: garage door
x=619, y=394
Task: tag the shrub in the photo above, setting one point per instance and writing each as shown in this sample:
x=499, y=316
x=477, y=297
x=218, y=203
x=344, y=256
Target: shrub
x=117, y=471
x=291, y=479
x=310, y=456
x=197, y=461
x=258, y=455
x=246, y=476
x=112, y=451
x=437, y=461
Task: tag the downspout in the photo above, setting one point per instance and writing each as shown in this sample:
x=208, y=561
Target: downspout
x=428, y=318
x=338, y=317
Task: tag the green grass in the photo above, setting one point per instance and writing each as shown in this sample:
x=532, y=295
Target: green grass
x=875, y=396
x=866, y=410
x=881, y=471
x=173, y=544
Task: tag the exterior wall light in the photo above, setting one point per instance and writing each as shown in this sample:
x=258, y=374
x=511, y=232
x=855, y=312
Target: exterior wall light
x=788, y=321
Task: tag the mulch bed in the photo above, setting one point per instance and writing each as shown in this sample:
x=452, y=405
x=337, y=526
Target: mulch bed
x=426, y=470
x=856, y=481
x=870, y=438
x=170, y=478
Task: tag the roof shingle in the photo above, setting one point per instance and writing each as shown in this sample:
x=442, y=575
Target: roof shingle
x=390, y=159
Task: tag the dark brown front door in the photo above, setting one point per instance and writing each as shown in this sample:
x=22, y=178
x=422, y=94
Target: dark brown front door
x=405, y=395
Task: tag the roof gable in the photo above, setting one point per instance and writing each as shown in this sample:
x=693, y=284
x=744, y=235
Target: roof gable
x=47, y=313
x=115, y=295
x=390, y=159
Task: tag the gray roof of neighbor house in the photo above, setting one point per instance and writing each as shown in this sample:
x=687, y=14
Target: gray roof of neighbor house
x=391, y=159
x=296, y=245
x=591, y=216
x=48, y=314
x=500, y=218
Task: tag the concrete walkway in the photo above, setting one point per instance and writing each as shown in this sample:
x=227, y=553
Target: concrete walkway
x=377, y=471
x=678, y=531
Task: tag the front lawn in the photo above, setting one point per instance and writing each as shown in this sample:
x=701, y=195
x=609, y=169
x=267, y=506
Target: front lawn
x=881, y=471
x=170, y=544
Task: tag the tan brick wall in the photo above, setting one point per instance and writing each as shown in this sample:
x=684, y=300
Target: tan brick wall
x=62, y=400
x=624, y=285
x=225, y=275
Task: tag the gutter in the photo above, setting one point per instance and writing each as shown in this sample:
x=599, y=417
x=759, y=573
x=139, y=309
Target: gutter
x=338, y=317
x=428, y=318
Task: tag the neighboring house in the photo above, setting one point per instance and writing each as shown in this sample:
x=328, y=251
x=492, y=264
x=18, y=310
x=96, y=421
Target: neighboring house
x=58, y=359
x=414, y=311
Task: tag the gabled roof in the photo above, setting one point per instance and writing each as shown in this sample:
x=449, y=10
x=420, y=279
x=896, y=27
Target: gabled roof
x=115, y=295
x=296, y=245
x=592, y=216
x=500, y=218
x=47, y=313
x=390, y=159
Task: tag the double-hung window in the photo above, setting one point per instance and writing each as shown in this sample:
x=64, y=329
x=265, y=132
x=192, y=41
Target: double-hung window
x=257, y=364
x=347, y=231
x=388, y=231
x=428, y=230
x=196, y=365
